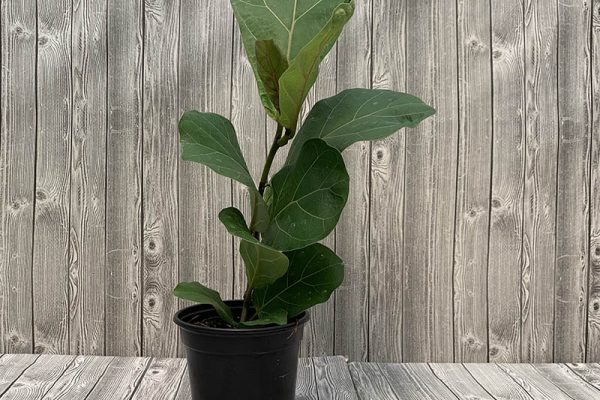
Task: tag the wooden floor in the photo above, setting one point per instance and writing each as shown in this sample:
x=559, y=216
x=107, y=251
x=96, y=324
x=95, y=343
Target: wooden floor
x=27, y=377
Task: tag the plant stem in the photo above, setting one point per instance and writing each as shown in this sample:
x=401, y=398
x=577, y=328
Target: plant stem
x=246, y=305
x=264, y=178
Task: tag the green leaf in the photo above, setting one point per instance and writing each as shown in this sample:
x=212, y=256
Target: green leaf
x=210, y=139
x=200, y=294
x=264, y=265
x=271, y=65
x=302, y=74
x=314, y=273
x=234, y=221
x=307, y=197
x=359, y=114
x=290, y=24
x=278, y=317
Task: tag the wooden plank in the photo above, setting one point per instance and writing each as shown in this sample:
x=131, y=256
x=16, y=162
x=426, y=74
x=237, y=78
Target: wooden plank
x=79, y=379
x=11, y=368
x=333, y=379
x=205, y=255
x=88, y=179
x=496, y=382
x=431, y=163
x=161, y=380
x=506, y=218
x=593, y=326
x=39, y=378
x=568, y=381
x=460, y=381
x=306, y=386
x=533, y=382
x=249, y=118
x=539, y=210
x=124, y=179
x=588, y=372
x=370, y=382
x=160, y=165
x=185, y=390
x=17, y=172
x=574, y=111
x=120, y=379
x=51, y=226
x=352, y=234
x=415, y=381
x=473, y=182
x=387, y=191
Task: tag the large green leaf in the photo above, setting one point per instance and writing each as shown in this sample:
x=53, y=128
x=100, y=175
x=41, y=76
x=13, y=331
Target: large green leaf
x=302, y=74
x=264, y=265
x=290, y=24
x=314, y=273
x=200, y=294
x=271, y=65
x=359, y=114
x=210, y=139
x=234, y=221
x=277, y=317
x=307, y=198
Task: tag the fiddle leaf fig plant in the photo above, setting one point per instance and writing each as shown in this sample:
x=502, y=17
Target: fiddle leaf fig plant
x=288, y=271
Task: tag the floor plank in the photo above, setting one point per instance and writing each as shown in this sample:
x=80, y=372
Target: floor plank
x=568, y=381
x=533, y=382
x=334, y=381
x=12, y=366
x=120, y=379
x=460, y=381
x=162, y=380
x=496, y=382
x=79, y=379
x=37, y=380
x=416, y=381
x=306, y=387
x=370, y=382
x=588, y=372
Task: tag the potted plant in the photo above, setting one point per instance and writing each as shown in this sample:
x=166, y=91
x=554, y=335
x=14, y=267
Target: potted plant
x=248, y=349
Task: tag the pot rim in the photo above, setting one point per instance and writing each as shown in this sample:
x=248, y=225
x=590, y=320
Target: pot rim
x=299, y=320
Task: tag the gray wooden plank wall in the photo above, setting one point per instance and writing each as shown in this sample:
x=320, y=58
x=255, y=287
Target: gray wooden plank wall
x=474, y=238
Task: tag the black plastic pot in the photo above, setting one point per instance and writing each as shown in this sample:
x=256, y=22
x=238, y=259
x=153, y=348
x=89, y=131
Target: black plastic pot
x=234, y=364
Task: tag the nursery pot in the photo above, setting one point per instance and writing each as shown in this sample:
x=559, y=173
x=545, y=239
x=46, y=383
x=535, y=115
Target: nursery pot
x=232, y=364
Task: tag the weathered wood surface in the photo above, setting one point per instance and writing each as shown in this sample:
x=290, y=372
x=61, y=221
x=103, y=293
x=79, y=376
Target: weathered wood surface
x=475, y=237
x=325, y=378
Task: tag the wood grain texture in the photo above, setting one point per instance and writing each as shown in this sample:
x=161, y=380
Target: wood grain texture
x=506, y=218
x=572, y=219
x=539, y=196
x=568, y=381
x=306, y=385
x=88, y=178
x=53, y=157
x=593, y=310
x=352, y=233
x=39, y=378
x=588, y=372
x=473, y=182
x=185, y=391
x=205, y=251
x=124, y=179
x=429, y=210
x=460, y=381
x=387, y=191
x=533, y=382
x=334, y=381
x=415, y=381
x=497, y=382
x=370, y=382
x=120, y=379
x=79, y=379
x=12, y=366
x=160, y=166
x=161, y=381
x=17, y=172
